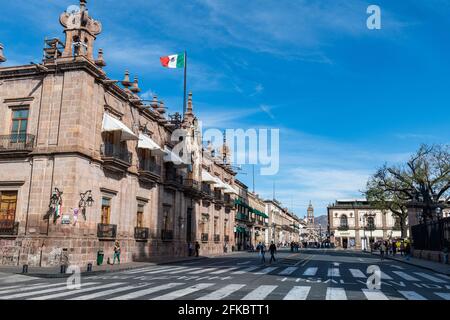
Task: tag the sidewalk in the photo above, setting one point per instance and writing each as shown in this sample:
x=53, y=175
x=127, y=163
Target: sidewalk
x=426, y=264
x=55, y=272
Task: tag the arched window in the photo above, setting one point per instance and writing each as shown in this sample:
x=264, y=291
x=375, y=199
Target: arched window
x=344, y=221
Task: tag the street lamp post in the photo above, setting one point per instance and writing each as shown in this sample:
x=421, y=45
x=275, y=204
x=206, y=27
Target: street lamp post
x=86, y=200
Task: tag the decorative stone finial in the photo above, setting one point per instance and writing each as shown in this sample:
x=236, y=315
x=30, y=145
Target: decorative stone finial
x=161, y=109
x=2, y=57
x=135, y=87
x=189, y=105
x=83, y=5
x=126, y=80
x=100, y=61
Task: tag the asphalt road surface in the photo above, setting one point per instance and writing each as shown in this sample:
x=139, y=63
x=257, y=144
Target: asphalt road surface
x=311, y=274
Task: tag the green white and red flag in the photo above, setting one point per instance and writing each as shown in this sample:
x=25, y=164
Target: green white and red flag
x=174, y=61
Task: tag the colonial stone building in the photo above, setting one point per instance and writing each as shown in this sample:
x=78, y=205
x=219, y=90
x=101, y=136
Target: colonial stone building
x=84, y=162
x=284, y=226
x=354, y=224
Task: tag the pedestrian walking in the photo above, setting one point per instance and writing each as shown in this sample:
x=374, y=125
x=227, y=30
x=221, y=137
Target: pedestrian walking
x=402, y=248
x=407, y=250
x=190, y=249
x=197, y=248
x=272, y=250
x=116, y=252
x=382, y=250
x=261, y=248
x=394, y=248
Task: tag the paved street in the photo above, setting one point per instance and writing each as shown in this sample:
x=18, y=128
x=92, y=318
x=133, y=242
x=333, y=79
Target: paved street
x=317, y=274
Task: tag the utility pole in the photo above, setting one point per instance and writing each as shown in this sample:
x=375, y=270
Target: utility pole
x=253, y=178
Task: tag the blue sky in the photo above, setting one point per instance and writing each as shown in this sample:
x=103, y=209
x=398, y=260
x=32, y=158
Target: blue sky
x=346, y=99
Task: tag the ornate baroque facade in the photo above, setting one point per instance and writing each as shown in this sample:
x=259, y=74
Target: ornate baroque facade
x=71, y=134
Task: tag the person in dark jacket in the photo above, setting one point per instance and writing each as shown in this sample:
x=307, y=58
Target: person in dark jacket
x=272, y=250
x=197, y=248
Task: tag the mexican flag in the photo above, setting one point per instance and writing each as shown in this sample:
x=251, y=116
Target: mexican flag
x=174, y=61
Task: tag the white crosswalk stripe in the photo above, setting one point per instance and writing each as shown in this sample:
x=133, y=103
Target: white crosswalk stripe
x=412, y=295
x=249, y=269
x=245, y=262
x=141, y=293
x=374, y=294
x=442, y=275
x=297, y=293
x=222, y=292
x=18, y=286
x=164, y=270
x=183, y=269
x=16, y=278
x=224, y=270
x=356, y=273
x=266, y=270
x=28, y=288
x=310, y=271
x=336, y=294
x=73, y=292
x=385, y=276
x=62, y=287
x=430, y=277
x=260, y=293
x=443, y=295
x=108, y=292
x=203, y=271
x=288, y=271
x=141, y=270
x=184, y=292
x=405, y=276
x=333, y=272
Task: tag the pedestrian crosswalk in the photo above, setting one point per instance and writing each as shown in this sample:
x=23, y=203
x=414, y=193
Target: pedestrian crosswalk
x=208, y=291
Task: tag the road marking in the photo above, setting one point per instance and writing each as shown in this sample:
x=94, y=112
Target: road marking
x=356, y=273
x=202, y=271
x=167, y=269
x=310, y=271
x=298, y=293
x=430, y=277
x=222, y=292
x=72, y=292
x=336, y=294
x=15, y=278
x=183, y=292
x=442, y=275
x=245, y=270
x=181, y=270
x=260, y=293
x=142, y=270
x=28, y=288
x=63, y=286
x=405, y=276
x=412, y=295
x=398, y=267
x=224, y=270
x=374, y=294
x=245, y=262
x=333, y=272
x=140, y=293
x=18, y=286
x=288, y=271
x=443, y=295
x=267, y=270
x=385, y=276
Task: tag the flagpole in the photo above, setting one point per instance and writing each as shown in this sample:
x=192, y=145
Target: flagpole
x=185, y=68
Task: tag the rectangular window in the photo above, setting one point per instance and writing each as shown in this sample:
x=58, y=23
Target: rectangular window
x=167, y=216
x=19, y=124
x=8, y=203
x=140, y=216
x=106, y=210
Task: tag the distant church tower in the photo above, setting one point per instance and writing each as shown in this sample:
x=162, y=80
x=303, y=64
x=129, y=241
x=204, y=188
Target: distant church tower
x=310, y=215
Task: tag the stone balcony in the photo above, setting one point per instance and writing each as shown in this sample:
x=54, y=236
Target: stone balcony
x=16, y=145
x=115, y=158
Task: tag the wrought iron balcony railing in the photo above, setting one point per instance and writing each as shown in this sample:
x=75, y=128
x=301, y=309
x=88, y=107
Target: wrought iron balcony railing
x=242, y=216
x=141, y=233
x=150, y=166
x=204, y=237
x=106, y=231
x=166, y=235
x=192, y=184
x=17, y=142
x=9, y=228
x=343, y=228
x=226, y=238
x=115, y=151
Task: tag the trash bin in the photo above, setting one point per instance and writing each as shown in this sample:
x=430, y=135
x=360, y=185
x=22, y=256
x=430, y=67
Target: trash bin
x=100, y=255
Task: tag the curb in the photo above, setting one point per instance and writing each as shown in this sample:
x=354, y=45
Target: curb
x=413, y=264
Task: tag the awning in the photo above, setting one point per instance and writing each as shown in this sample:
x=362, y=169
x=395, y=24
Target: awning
x=112, y=124
x=230, y=189
x=207, y=177
x=170, y=156
x=219, y=184
x=146, y=142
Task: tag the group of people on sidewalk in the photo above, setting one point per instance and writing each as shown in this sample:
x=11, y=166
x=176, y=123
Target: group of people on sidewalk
x=261, y=249
x=388, y=247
